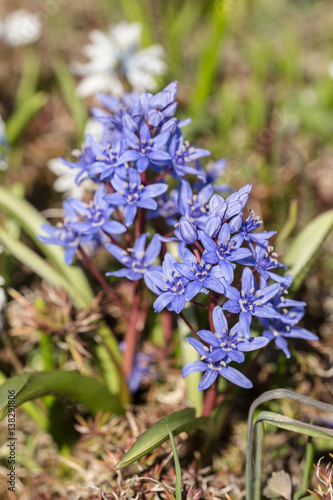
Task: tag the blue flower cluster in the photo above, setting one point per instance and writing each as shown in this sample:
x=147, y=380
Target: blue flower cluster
x=220, y=251
x=229, y=259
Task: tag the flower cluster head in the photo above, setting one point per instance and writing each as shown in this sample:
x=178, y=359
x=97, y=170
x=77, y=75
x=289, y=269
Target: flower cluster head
x=220, y=252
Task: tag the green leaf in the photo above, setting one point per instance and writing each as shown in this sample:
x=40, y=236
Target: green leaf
x=306, y=246
x=157, y=434
x=36, y=263
x=30, y=76
x=22, y=117
x=292, y=425
x=31, y=221
x=177, y=466
x=85, y=390
x=68, y=89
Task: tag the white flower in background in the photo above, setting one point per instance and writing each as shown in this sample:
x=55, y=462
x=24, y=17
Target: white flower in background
x=65, y=183
x=3, y=145
x=114, y=57
x=20, y=28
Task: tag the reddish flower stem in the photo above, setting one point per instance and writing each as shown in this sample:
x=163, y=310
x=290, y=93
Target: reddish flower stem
x=160, y=177
x=209, y=402
x=132, y=332
x=113, y=296
x=193, y=330
x=200, y=305
x=166, y=321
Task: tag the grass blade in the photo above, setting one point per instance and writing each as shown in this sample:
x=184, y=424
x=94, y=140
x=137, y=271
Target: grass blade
x=22, y=117
x=177, y=466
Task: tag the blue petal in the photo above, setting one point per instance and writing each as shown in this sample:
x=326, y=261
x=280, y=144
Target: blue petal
x=154, y=190
x=253, y=344
x=142, y=163
x=209, y=337
x=236, y=377
x=198, y=346
x=187, y=230
x=192, y=290
x=219, y=320
x=162, y=301
x=247, y=281
x=153, y=250
x=245, y=320
x=193, y=367
x=114, y=227
x=207, y=380
x=129, y=155
x=130, y=213
x=282, y=344
x=231, y=306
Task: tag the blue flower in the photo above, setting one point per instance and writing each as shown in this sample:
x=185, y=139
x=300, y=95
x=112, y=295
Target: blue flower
x=211, y=173
x=146, y=149
x=124, y=110
x=201, y=275
x=252, y=223
x=137, y=260
x=263, y=260
x=280, y=330
x=64, y=235
x=132, y=194
x=223, y=348
x=161, y=106
x=169, y=284
x=225, y=345
x=96, y=215
x=107, y=155
x=86, y=156
x=225, y=251
x=193, y=208
x=250, y=301
x=212, y=370
x=142, y=369
x=222, y=210
x=183, y=154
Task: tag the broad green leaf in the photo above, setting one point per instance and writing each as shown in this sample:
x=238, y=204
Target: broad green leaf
x=306, y=246
x=68, y=89
x=85, y=390
x=36, y=263
x=157, y=434
x=31, y=221
x=177, y=466
x=292, y=425
x=21, y=118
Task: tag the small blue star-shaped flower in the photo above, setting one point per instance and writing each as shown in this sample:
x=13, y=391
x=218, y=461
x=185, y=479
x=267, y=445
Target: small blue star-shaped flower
x=145, y=149
x=225, y=251
x=250, y=301
x=63, y=235
x=96, y=215
x=201, y=275
x=137, y=260
x=131, y=194
x=169, y=284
